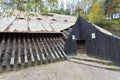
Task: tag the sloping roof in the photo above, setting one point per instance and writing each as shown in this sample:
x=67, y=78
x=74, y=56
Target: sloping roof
x=102, y=30
x=37, y=23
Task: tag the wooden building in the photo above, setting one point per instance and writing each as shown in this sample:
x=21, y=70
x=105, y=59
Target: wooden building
x=97, y=41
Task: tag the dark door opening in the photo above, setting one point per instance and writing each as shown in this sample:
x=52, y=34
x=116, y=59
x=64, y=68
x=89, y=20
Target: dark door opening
x=81, y=46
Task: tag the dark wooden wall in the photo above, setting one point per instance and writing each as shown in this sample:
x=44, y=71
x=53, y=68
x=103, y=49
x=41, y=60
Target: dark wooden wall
x=102, y=46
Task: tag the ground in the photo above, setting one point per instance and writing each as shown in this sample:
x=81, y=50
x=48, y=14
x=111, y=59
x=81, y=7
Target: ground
x=70, y=69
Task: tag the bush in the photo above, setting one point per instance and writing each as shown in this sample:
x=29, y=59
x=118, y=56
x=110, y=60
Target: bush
x=116, y=21
x=104, y=23
x=96, y=14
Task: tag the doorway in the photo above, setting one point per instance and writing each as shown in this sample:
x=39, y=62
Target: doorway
x=81, y=46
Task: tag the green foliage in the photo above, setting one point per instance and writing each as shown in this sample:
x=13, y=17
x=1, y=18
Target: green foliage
x=44, y=10
x=28, y=7
x=109, y=22
x=116, y=21
x=96, y=14
x=53, y=4
x=104, y=23
x=67, y=12
x=111, y=7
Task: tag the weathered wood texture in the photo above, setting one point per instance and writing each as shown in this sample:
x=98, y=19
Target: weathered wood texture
x=99, y=43
x=23, y=48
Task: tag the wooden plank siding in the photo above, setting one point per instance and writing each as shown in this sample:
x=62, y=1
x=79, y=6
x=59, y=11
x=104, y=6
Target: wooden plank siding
x=102, y=45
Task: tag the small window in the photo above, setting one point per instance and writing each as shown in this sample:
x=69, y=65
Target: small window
x=93, y=35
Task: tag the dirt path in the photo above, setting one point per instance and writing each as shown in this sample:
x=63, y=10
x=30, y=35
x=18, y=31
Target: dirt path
x=65, y=70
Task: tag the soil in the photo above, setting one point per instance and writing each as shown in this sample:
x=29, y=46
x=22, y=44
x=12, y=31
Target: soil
x=64, y=70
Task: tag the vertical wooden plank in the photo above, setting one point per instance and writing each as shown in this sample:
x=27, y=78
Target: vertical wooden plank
x=25, y=50
x=4, y=63
x=1, y=46
x=43, y=45
x=44, y=48
x=13, y=52
x=19, y=51
x=41, y=50
x=36, y=50
x=30, y=49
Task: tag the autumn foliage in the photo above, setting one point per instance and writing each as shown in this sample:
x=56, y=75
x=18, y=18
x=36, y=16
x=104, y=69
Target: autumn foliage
x=96, y=14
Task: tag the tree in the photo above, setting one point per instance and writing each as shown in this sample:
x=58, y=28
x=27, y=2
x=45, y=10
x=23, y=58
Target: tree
x=111, y=7
x=96, y=13
x=53, y=4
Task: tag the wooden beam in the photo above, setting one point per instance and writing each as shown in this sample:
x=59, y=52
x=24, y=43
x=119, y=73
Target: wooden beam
x=51, y=45
x=60, y=45
x=49, y=49
x=44, y=48
x=25, y=50
x=30, y=49
x=4, y=63
x=19, y=51
x=36, y=50
x=1, y=46
x=60, y=41
x=56, y=47
x=41, y=50
x=13, y=52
